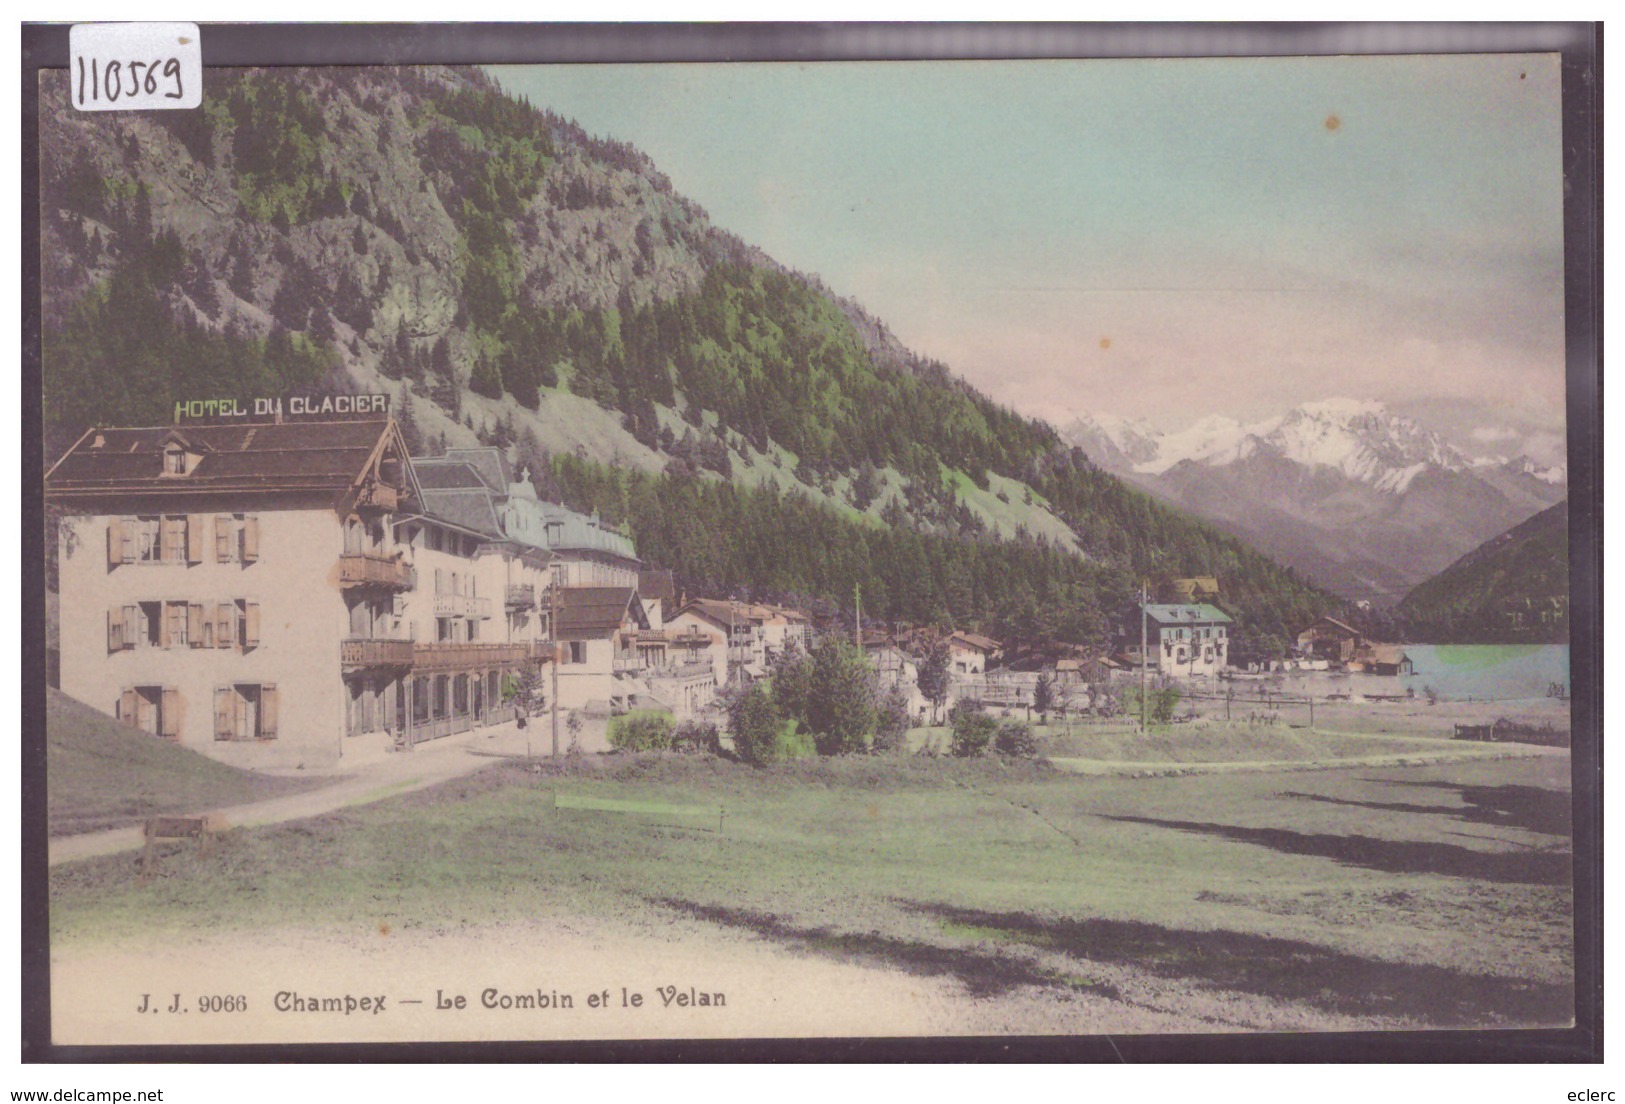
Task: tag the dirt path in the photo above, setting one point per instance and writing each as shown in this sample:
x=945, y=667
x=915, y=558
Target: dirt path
x=97, y=991
x=372, y=780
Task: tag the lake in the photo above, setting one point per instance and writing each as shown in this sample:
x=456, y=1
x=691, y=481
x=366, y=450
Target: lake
x=1484, y=672
x=1455, y=672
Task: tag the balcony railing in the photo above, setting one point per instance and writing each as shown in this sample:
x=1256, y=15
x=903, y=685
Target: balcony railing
x=627, y=663
x=379, y=496
x=521, y=596
x=463, y=657
x=360, y=654
x=462, y=605
x=358, y=569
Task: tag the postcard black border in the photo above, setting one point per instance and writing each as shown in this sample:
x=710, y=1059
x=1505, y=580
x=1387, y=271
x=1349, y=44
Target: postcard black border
x=1580, y=44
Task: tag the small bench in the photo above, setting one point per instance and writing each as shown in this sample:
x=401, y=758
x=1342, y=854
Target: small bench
x=200, y=828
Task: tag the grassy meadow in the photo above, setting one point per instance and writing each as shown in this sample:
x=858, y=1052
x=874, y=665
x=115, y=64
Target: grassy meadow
x=101, y=774
x=1435, y=896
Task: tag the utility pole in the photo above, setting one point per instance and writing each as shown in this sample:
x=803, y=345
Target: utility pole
x=1145, y=659
x=553, y=648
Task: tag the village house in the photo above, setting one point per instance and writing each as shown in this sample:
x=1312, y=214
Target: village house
x=1381, y=659
x=971, y=653
x=1182, y=641
x=1195, y=590
x=757, y=633
x=1330, y=639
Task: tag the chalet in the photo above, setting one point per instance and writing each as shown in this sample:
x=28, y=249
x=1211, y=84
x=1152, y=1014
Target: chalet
x=1188, y=641
x=757, y=633
x=1382, y=659
x=597, y=633
x=1197, y=589
x=971, y=653
x=1330, y=639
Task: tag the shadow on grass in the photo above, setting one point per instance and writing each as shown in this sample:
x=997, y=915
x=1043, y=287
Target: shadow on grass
x=1554, y=868
x=1531, y=808
x=984, y=975
x=1284, y=969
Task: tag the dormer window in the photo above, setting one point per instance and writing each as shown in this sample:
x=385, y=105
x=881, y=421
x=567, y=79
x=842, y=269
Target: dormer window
x=175, y=460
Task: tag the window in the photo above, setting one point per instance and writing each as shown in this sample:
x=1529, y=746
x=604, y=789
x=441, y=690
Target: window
x=148, y=536
x=150, y=630
x=245, y=711
x=152, y=709
x=578, y=651
x=247, y=623
x=174, y=460
x=236, y=538
x=175, y=624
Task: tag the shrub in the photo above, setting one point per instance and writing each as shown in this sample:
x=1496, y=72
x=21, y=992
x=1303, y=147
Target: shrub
x=840, y=706
x=1016, y=740
x=972, y=730
x=696, y=737
x=891, y=728
x=643, y=730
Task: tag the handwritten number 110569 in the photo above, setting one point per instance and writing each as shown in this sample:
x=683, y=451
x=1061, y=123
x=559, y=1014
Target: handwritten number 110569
x=128, y=79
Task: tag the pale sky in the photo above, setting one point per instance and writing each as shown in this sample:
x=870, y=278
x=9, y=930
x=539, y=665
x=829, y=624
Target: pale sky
x=1153, y=238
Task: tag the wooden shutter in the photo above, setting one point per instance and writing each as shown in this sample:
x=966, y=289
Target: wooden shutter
x=194, y=538
x=132, y=625
x=223, y=713
x=251, y=539
x=225, y=615
x=268, y=711
x=115, y=542
x=115, y=629
x=166, y=540
x=194, y=624
x=251, y=625
x=170, y=722
x=222, y=538
x=126, y=708
x=163, y=624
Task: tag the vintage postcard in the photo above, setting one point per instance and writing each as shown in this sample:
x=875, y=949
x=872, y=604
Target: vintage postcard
x=766, y=550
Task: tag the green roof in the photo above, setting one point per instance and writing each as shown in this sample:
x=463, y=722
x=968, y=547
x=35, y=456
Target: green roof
x=1197, y=614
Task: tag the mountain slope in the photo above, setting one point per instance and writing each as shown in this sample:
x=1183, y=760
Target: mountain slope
x=1514, y=587
x=1367, y=502
x=512, y=280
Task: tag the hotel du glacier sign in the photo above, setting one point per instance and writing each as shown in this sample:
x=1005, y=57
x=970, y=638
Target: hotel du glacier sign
x=293, y=406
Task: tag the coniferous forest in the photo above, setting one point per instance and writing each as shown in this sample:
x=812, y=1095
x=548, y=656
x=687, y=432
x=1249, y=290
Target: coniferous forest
x=511, y=280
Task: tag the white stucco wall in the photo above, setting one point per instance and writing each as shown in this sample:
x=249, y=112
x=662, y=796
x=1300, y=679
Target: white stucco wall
x=302, y=618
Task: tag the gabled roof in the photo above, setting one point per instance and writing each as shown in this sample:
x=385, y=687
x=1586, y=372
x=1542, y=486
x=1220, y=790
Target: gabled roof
x=236, y=457
x=699, y=610
x=593, y=613
x=976, y=640
x=1335, y=623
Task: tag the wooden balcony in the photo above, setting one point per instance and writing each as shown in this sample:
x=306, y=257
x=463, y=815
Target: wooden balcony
x=467, y=657
x=369, y=569
x=462, y=605
x=363, y=654
x=379, y=496
x=521, y=596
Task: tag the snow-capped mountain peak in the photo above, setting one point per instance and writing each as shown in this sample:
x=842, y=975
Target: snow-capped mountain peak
x=1359, y=438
